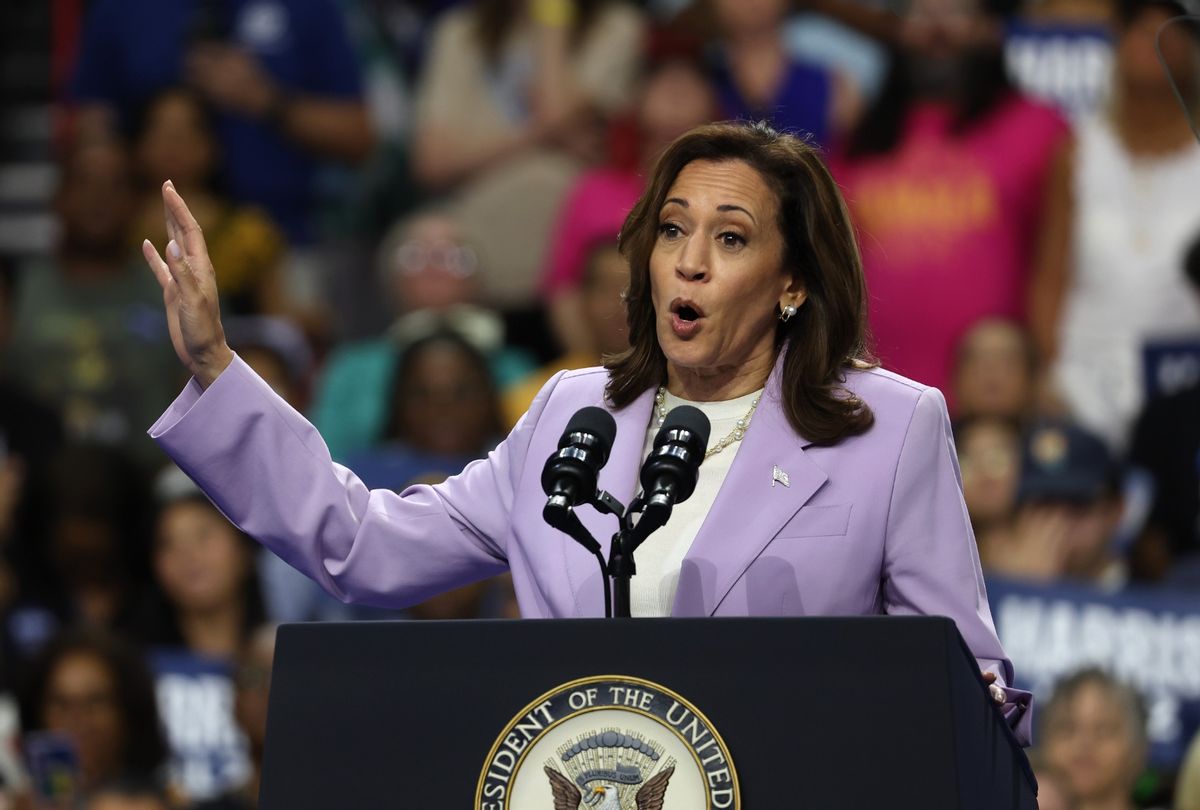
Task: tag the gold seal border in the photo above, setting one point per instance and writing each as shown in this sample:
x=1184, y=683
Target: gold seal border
x=571, y=685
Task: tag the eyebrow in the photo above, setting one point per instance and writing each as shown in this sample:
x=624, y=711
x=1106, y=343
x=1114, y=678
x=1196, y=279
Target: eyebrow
x=723, y=207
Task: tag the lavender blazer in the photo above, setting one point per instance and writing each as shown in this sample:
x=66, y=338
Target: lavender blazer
x=875, y=524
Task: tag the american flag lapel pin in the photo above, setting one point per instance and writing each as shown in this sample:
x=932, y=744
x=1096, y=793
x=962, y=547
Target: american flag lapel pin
x=778, y=476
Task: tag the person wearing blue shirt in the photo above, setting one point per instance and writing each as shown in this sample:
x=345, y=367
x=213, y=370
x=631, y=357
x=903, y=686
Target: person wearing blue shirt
x=281, y=75
x=757, y=77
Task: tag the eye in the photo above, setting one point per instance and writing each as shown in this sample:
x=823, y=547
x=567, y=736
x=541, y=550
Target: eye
x=669, y=230
x=730, y=239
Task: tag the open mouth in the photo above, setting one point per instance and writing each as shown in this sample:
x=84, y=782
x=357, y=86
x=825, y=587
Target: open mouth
x=686, y=311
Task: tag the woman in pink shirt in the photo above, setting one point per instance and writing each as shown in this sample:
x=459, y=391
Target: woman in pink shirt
x=944, y=179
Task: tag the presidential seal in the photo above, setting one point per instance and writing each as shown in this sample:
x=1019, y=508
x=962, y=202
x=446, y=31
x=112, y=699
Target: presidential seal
x=611, y=742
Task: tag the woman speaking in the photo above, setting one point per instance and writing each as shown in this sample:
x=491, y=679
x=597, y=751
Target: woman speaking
x=830, y=486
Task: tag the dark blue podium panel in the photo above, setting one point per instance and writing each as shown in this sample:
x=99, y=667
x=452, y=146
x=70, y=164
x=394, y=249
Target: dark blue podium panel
x=678, y=714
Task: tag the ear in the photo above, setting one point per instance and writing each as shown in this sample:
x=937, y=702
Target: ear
x=795, y=293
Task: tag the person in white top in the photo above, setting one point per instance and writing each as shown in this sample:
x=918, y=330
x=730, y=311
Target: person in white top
x=1123, y=207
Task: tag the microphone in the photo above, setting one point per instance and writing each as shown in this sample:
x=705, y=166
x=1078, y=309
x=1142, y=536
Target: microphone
x=569, y=477
x=669, y=474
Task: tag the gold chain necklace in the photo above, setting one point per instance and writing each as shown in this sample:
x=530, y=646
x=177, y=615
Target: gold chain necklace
x=735, y=435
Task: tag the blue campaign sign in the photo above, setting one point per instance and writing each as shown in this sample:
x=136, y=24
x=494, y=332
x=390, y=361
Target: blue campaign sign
x=1169, y=366
x=209, y=754
x=1068, y=65
x=1149, y=639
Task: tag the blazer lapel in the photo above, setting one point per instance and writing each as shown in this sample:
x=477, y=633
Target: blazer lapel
x=619, y=478
x=750, y=508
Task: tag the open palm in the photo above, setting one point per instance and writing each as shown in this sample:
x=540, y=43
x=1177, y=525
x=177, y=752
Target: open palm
x=189, y=288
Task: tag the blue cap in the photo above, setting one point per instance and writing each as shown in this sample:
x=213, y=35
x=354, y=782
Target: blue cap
x=1061, y=461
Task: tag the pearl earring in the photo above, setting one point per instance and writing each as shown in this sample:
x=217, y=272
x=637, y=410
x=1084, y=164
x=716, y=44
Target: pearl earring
x=787, y=312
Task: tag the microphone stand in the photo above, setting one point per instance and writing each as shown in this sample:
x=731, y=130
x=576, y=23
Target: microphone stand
x=621, y=566
x=676, y=457
x=618, y=571
x=561, y=515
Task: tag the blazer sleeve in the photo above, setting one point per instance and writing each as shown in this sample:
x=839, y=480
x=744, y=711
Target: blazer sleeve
x=931, y=563
x=268, y=470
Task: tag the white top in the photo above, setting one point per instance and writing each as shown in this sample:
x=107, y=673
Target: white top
x=660, y=557
x=1134, y=220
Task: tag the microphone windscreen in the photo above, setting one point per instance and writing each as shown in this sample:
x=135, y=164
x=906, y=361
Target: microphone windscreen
x=595, y=421
x=687, y=418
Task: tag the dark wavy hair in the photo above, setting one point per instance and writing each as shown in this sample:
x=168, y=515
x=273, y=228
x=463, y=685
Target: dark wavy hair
x=828, y=334
x=146, y=749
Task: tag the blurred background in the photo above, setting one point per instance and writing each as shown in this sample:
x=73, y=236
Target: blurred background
x=413, y=207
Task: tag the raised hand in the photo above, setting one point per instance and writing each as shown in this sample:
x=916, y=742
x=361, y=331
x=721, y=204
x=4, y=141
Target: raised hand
x=189, y=292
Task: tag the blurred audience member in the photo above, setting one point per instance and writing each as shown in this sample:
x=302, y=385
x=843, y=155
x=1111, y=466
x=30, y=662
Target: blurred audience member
x=675, y=97
x=210, y=603
x=512, y=104
x=758, y=78
x=281, y=75
x=1166, y=444
x=944, y=178
x=834, y=35
x=253, y=687
x=444, y=412
x=432, y=277
x=204, y=571
x=1093, y=733
x=96, y=691
x=1053, y=792
x=129, y=795
x=30, y=434
x=1122, y=210
x=88, y=335
x=989, y=455
x=603, y=323
x=87, y=568
x=277, y=351
x=392, y=38
x=1069, y=507
x=175, y=141
x=995, y=371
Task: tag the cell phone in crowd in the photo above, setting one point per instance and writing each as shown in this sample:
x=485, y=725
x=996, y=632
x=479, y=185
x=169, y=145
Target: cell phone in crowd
x=53, y=760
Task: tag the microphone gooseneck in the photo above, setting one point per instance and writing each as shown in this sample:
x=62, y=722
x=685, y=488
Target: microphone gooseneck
x=667, y=477
x=570, y=477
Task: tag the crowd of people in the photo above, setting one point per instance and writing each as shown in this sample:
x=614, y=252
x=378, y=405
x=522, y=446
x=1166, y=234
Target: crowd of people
x=413, y=208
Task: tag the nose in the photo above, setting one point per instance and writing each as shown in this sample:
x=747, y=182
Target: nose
x=692, y=264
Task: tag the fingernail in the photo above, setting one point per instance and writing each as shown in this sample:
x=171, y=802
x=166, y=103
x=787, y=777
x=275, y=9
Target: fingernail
x=169, y=183
x=173, y=249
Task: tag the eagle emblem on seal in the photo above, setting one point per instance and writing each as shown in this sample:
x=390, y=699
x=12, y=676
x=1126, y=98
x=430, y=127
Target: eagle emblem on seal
x=610, y=770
